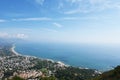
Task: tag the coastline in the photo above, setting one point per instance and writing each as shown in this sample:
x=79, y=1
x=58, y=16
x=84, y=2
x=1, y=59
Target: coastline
x=58, y=62
x=17, y=54
x=13, y=50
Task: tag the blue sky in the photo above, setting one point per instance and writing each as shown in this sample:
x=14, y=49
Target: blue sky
x=68, y=21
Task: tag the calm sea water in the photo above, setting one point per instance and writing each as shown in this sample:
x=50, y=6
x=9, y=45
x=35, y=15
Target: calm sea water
x=81, y=55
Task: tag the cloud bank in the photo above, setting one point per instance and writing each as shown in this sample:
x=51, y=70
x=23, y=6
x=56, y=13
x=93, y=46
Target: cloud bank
x=32, y=19
x=57, y=24
x=17, y=36
x=87, y=6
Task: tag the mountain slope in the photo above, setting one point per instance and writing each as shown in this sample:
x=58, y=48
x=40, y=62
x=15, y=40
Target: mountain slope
x=110, y=75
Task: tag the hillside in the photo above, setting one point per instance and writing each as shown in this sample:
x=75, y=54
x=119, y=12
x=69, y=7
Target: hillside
x=110, y=75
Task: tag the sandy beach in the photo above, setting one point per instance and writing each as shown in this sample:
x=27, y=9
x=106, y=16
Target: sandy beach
x=13, y=50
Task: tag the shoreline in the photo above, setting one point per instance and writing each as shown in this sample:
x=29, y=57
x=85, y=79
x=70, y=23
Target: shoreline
x=13, y=50
x=59, y=62
x=17, y=54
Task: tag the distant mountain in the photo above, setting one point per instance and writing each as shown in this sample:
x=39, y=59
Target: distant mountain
x=110, y=75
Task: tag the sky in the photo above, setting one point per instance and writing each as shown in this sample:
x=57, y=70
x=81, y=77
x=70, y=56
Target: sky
x=67, y=21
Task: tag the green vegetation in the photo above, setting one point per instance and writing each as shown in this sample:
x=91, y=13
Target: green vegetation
x=110, y=75
x=16, y=78
x=73, y=73
x=40, y=64
x=49, y=78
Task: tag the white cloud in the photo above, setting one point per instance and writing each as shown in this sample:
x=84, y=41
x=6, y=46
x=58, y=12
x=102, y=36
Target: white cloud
x=85, y=18
x=4, y=35
x=18, y=36
x=39, y=2
x=57, y=24
x=1, y=20
x=70, y=18
x=73, y=1
x=78, y=10
x=86, y=6
x=32, y=19
x=50, y=30
x=72, y=11
x=96, y=1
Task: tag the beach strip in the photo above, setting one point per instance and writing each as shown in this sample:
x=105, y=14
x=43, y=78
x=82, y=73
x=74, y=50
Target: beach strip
x=13, y=50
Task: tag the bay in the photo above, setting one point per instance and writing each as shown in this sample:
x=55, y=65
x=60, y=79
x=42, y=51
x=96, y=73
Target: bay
x=100, y=57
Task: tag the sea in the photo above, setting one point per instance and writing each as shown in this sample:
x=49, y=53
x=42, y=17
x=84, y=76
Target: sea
x=94, y=56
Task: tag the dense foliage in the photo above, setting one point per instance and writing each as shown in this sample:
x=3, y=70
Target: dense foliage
x=110, y=75
x=16, y=78
x=48, y=78
x=73, y=73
